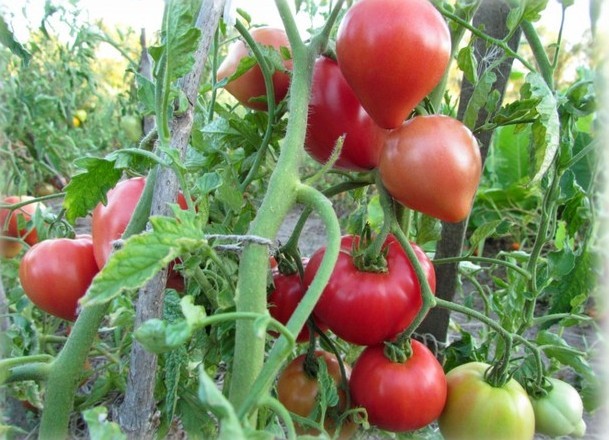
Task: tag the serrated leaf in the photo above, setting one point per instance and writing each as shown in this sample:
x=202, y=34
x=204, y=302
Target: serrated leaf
x=229, y=192
x=212, y=399
x=428, y=229
x=208, y=182
x=7, y=38
x=99, y=427
x=479, y=98
x=88, y=188
x=142, y=256
x=182, y=39
x=546, y=128
x=145, y=95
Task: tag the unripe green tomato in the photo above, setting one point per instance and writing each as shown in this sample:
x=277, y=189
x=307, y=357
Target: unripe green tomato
x=560, y=411
x=476, y=410
x=132, y=126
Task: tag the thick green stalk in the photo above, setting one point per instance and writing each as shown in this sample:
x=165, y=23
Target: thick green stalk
x=547, y=71
x=279, y=199
x=66, y=369
x=281, y=349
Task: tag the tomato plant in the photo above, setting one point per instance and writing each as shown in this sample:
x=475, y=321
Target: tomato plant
x=477, y=410
x=365, y=307
x=250, y=84
x=559, y=412
x=392, y=53
x=432, y=164
x=334, y=111
x=56, y=273
x=298, y=390
x=285, y=296
x=399, y=396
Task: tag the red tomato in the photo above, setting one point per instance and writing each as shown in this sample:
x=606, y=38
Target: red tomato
x=56, y=273
x=251, y=83
x=432, y=164
x=476, y=410
x=392, y=53
x=367, y=308
x=110, y=221
x=399, y=396
x=20, y=216
x=298, y=391
x=335, y=111
x=284, y=299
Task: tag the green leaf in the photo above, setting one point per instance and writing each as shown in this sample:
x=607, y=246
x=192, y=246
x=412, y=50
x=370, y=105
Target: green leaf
x=182, y=39
x=483, y=232
x=208, y=182
x=561, y=263
x=143, y=255
x=428, y=229
x=7, y=38
x=580, y=280
x=479, y=98
x=546, y=128
x=468, y=64
x=229, y=191
x=374, y=213
x=99, y=427
x=88, y=188
x=214, y=401
x=145, y=95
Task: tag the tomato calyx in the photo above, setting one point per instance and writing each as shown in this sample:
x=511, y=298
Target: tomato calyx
x=367, y=253
x=399, y=351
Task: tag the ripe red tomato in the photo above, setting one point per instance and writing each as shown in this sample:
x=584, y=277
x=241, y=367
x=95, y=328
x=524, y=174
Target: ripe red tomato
x=284, y=299
x=367, y=308
x=251, y=83
x=392, y=53
x=110, y=221
x=476, y=410
x=56, y=273
x=432, y=164
x=17, y=218
x=298, y=391
x=399, y=396
x=334, y=110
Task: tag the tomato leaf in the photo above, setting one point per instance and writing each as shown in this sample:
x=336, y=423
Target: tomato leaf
x=143, y=255
x=479, y=98
x=468, y=64
x=7, y=38
x=546, y=127
x=99, y=427
x=212, y=398
x=88, y=188
x=180, y=38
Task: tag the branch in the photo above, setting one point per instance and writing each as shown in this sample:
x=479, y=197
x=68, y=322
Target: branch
x=138, y=408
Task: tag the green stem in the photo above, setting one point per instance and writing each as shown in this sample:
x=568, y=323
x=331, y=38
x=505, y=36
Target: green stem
x=558, y=316
x=539, y=52
x=278, y=200
x=489, y=260
x=498, y=374
x=214, y=69
x=276, y=406
x=387, y=204
x=270, y=99
x=547, y=212
x=64, y=376
x=280, y=350
x=478, y=33
x=38, y=371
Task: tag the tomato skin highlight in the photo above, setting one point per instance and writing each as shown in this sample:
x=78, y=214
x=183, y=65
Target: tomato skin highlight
x=399, y=397
x=334, y=110
x=475, y=410
x=368, y=308
x=251, y=83
x=432, y=164
x=56, y=273
x=297, y=391
x=560, y=412
x=392, y=53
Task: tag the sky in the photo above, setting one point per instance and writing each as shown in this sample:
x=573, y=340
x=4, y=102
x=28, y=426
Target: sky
x=148, y=13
